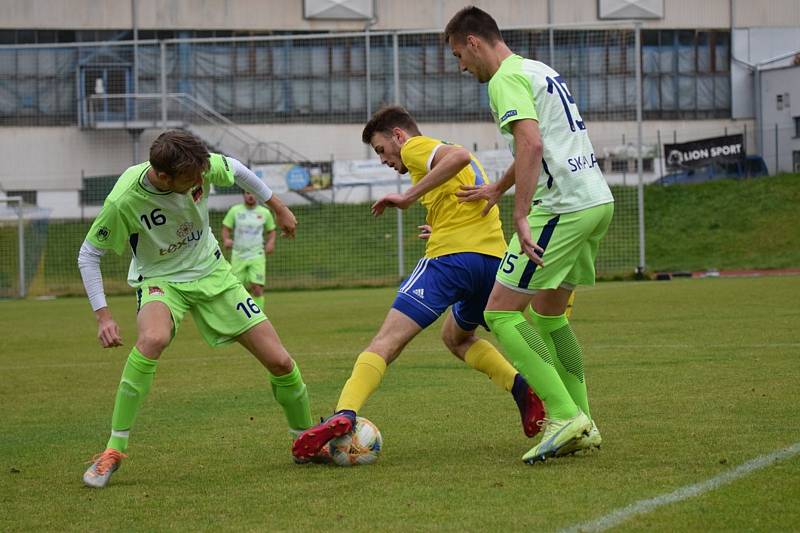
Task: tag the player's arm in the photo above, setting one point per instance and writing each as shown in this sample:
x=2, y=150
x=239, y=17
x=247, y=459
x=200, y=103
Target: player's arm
x=269, y=245
x=247, y=180
x=89, y=265
x=227, y=241
x=527, y=166
x=490, y=193
x=447, y=162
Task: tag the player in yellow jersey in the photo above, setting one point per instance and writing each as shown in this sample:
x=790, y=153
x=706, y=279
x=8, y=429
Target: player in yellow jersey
x=462, y=255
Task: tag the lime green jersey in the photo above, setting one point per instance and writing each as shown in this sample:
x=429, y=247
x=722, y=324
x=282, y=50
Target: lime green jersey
x=571, y=179
x=248, y=225
x=167, y=232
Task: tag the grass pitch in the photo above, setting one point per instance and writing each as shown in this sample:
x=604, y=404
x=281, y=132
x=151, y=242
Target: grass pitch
x=688, y=379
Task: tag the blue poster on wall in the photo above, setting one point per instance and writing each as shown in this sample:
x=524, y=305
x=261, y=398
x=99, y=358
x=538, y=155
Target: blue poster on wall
x=298, y=178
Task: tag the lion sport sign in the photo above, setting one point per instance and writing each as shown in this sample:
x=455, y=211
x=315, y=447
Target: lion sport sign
x=703, y=151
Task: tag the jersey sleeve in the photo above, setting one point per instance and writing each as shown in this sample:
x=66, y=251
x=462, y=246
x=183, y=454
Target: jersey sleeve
x=219, y=171
x=416, y=153
x=512, y=98
x=230, y=218
x=109, y=230
x=269, y=220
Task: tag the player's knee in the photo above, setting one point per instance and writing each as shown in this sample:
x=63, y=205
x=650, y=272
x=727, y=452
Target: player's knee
x=496, y=318
x=280, y=366
x=152, y=342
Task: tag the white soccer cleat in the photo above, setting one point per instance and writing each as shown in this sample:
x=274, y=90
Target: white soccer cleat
x=591, y=441
x=557, y=435
x=103, y=465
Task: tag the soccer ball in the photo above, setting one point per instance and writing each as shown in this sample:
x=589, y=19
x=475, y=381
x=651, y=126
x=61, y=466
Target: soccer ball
x=362, y=446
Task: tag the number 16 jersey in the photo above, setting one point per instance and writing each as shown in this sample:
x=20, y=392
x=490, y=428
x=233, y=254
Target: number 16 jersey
x=167, y=232
x=571, y=179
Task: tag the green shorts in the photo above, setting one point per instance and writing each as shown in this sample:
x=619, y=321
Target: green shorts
x=221, y=307
x=570, y=242
x=250, y=271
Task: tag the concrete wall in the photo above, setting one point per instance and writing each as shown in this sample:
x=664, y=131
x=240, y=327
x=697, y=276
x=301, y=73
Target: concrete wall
x=53, y=160
x=752, y=46
x=261, y=15
x=779, y=118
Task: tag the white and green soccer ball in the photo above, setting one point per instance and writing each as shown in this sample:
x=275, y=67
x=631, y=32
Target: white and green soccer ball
x=362, y=446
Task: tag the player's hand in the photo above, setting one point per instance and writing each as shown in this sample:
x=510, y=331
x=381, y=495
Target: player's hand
x=269, y=248
x=475, y=193
x=424, y=231
x=227, y=243
x=285, y=220
x=390, y=200
x=528, y=247
x=108, y=333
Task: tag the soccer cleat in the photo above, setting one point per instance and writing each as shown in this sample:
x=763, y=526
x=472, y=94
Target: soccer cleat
x=558, y=434
x=531, y=408
x=103, y=465
x=322, y=458
x=586, y=442
x=311, y=441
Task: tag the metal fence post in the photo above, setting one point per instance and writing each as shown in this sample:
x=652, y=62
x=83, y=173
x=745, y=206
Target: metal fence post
x=163, y=47
x=401, y=269
x=639, y=166
x=20, y=244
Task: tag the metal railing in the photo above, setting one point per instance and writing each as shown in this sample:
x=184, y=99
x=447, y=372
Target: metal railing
x=182, y=110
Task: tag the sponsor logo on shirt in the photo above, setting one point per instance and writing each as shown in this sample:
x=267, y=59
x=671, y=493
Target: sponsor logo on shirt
x=102, y=233
x=184, y=229
x=155, y=290
x=175, y=246
x=509, y=114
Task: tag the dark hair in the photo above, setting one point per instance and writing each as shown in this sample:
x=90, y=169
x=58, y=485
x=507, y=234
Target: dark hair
x=472, y=21
x=387, y=118
x=175, y=152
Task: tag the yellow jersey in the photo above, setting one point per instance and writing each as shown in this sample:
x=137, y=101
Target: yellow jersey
x=456, y=226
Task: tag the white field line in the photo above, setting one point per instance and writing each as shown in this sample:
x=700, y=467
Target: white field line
x=114, y=360
x=619, y=516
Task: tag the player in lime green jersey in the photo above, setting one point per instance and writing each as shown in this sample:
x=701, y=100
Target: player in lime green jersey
x=562, y=210
x=249, y=221
x=159, y=209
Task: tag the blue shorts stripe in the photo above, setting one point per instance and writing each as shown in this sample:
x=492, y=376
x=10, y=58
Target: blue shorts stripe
x=419, y=271
x=544, y=240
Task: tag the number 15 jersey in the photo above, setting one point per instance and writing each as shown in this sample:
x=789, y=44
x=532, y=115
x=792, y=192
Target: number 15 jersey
x=570, y=179
x=167, y=232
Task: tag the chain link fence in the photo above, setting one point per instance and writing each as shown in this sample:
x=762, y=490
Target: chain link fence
x=283, y=103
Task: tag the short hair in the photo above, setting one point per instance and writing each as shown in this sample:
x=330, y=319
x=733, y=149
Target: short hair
x=472, y=21
x=387, y=118
x=175, y=152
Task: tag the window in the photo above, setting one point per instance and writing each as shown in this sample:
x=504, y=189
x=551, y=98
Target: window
x=619, y=165
x=797, y=126
x=685, y=74
x=28, y=197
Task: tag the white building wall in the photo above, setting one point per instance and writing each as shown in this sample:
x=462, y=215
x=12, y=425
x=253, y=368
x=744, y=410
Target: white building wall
x=260, y=15
x=752, y=46
x=778, y=118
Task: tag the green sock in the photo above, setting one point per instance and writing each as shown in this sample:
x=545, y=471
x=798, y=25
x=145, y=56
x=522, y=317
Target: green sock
x=558, y=335
x=529, y=354
x=137, y=376
x=259, y=300
x=290, y=392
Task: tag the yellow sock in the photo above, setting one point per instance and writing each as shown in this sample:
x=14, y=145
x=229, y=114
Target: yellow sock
x=365, y=379
x=570, y=304
x=483, y=356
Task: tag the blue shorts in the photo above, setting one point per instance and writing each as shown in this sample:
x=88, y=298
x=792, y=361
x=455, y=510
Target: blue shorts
x=463, y=280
